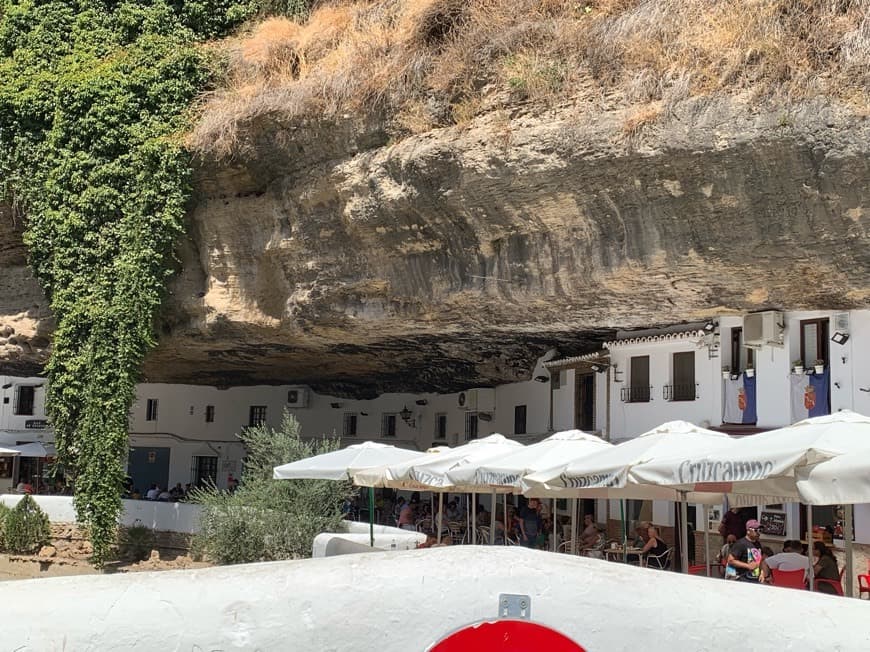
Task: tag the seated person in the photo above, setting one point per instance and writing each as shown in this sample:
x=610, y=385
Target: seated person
x=596, y=550
x=825, y=567
x=790, y=559
x=589, y=535
x=724, y=551
x=654, y=547
x=640, y=535
x=431, y=540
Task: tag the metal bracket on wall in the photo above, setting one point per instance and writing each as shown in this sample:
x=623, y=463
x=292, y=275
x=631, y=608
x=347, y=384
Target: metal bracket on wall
x=511, y=605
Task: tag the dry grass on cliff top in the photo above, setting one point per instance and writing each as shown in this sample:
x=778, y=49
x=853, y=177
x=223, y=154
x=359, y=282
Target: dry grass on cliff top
x=428, y=63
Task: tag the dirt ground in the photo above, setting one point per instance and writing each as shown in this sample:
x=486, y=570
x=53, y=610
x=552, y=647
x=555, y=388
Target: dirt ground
x=21, y=567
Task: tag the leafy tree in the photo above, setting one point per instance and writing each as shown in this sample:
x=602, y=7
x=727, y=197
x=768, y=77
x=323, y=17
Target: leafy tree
x=27, y=527
x=94, y=95
x=267, y=519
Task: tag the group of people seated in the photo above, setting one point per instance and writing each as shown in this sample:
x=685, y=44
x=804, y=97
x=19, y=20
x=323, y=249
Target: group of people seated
x=792, y=558
x=39, y=486
x=155, y=492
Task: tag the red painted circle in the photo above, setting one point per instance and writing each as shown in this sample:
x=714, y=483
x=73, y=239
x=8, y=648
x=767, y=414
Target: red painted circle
x=506, y=636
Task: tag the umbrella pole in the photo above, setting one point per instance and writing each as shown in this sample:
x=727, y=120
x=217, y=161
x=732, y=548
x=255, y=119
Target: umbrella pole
x=440, y=518
x=372, y=517
x=624, y=532
x=574, y=526
x=492, y=514
x=850, y=559
x=473, y=518
x=506, y=530
x=706, y=538
x=810, y=546
x=553, y=518
x=684, y=533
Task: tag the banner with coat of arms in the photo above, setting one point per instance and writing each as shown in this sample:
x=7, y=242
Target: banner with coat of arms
x=809, y=395
x=739, y=400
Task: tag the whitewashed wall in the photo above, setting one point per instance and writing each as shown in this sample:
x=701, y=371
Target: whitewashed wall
x=366, y=602
x=631, y=419
x=166, y=517
x=10, y=421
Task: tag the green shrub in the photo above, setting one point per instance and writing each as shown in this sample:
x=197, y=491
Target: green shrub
x=5, y=511
x=136, y=542
x=27, y=528
x=267, y=519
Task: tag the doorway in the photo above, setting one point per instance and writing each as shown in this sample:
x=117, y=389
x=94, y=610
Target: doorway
x=148, y=465
x=584, y=401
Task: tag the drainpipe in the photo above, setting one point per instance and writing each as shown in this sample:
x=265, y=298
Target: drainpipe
x=607, y=406
x=550, y=421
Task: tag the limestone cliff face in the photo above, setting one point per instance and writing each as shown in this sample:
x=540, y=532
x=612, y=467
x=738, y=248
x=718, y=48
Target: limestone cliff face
x=334, y=256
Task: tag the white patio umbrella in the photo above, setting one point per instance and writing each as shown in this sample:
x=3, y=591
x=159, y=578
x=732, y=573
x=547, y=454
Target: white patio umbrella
x=777, y=466
x=430, y=472
x=761, y=468
x=343, y=464
x=34, y=449
x=509, y=469
x=607, y=473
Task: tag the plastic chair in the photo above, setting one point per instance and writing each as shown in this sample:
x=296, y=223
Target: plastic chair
x=863, y=585
x=565, y=546
x=837, y=585
x=661, y=561
x=789, y=579
x=699, y=569
x=456, y=532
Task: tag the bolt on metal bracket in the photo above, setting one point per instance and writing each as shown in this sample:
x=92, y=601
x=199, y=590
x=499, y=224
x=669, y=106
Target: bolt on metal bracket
x=511, y=605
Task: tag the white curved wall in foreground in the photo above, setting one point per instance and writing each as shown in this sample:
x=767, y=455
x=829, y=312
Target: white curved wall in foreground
x=409, y=600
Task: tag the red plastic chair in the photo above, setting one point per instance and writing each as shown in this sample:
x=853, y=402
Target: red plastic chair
x=699, y=569
x=793, y=579
x=864, y=582
x=836, y=584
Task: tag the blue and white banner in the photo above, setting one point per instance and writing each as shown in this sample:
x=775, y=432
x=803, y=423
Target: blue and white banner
x=740, y=400
x=809, y=395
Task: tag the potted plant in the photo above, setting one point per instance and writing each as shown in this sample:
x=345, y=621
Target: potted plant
x=819, y=366
x=797, y=366
x=749, y=371
x=726, y=373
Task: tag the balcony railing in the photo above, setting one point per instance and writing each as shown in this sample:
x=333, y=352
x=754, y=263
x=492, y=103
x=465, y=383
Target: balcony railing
x=680, y=392
x=636, y=394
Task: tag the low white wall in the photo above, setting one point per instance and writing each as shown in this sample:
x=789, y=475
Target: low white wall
x=166, y=517
x=363, y=602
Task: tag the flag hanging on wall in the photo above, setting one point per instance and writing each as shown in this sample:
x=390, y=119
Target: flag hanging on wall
x=809, y=395
x=740, y=400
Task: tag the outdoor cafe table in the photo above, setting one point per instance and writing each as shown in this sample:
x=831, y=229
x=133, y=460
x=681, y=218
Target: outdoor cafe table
x=618, y=553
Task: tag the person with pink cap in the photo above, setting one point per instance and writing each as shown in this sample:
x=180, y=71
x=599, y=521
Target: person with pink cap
x=744, y=560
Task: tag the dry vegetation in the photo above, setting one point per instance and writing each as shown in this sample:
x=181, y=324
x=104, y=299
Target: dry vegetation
x=427, y=63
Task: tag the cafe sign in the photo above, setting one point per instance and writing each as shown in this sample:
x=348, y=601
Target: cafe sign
x=36, y=424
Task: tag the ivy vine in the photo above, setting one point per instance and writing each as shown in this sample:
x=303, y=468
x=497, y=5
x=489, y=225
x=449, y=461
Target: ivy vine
x=94, y=97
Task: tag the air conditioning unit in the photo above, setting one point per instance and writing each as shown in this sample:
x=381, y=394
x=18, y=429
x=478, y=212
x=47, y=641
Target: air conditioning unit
x=297, y=397
x=763, y=329
x=477, y=400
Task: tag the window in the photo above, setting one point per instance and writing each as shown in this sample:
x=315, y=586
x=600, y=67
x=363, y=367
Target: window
x=638, y=390
x=441, y=426
x=738, y=351
x=209, y=413
x=203, y=471
x=814, y=341
x=151, y=410
x=24, y=399
x=348, y=428
x=470, y=426
x=520, y=420
x=257, y=416
x=683, y=388
x=388, y=424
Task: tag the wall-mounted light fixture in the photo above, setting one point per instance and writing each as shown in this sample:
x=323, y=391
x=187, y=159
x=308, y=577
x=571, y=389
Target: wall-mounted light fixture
x=840, y=338
x=406, y=416
x=421, y=401
x=541, y=379
x=709, y=327
x=599, y=367
x=7, y=385
x=484, y=416
x=335, y=405
x=363, y=414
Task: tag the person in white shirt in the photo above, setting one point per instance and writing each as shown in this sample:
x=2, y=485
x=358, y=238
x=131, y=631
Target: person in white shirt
x=790, y=559
x=153, y=492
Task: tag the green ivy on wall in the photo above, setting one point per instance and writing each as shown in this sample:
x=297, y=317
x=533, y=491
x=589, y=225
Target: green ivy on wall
x=94, y=96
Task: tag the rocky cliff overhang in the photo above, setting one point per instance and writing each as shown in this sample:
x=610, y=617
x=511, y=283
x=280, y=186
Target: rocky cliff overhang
x=333, y=256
